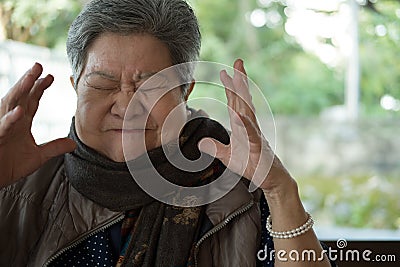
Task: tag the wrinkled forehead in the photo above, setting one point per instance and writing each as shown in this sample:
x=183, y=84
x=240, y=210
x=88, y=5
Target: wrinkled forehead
x=165, y=79
x=135, y=55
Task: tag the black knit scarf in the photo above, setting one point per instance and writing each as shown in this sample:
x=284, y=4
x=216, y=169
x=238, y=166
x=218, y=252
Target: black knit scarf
x=164, y=234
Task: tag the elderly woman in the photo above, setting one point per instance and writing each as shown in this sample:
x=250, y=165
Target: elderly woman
x=73, y=202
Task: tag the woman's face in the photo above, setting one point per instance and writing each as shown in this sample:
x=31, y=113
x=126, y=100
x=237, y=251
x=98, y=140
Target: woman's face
x=116, y=65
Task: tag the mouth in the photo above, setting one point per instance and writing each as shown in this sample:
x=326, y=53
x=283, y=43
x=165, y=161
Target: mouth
x=130, y=131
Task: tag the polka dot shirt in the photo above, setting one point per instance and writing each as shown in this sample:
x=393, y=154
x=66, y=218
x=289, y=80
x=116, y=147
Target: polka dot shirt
x=265, y=257
x=97, y=250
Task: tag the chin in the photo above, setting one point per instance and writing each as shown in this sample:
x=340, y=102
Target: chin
x=114, y=151
x=119, y=159
x=116, y=156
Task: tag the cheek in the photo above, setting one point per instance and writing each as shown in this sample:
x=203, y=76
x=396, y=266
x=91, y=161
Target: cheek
x=91, y=110
x=170, y=113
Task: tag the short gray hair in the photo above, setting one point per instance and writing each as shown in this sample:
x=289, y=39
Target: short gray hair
x=173, y=22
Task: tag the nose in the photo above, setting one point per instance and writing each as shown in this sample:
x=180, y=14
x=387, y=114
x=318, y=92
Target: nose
x=122, y=106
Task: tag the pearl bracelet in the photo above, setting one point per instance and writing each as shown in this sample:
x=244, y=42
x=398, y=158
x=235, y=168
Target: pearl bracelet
x=291, y=233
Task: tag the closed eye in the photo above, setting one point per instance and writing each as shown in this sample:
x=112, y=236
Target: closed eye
x=102, y=87
x=103, y=84
x=149, y=89
x=152, y=85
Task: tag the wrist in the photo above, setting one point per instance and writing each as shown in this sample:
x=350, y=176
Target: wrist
x=278, y=180
x=284, y=191
x=285, y=206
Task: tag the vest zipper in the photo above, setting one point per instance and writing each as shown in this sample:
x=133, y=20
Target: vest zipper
x=218, y=227
x=85, y=236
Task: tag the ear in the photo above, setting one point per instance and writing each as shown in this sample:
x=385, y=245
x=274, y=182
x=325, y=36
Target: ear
x=71, y=79
x=190, y=89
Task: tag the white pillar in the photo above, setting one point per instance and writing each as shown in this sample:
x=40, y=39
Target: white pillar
x=352, y=86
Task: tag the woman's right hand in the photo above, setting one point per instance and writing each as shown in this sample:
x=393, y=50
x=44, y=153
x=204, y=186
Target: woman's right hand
x=19, y=153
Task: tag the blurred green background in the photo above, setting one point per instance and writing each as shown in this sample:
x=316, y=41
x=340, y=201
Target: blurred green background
x=298, y=52
x=296, y=82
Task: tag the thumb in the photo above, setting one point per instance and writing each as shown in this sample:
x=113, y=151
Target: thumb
x=57, y=147
x=214, y=148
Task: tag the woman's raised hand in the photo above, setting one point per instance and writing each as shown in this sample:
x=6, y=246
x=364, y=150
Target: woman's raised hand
x=248, y=153
x=19, y=153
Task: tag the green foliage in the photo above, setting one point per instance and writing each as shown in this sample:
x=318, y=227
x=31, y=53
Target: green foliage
x=357, y=201
x=42, y=23
x=317, y=90
x=380, y=55
x=294, y=81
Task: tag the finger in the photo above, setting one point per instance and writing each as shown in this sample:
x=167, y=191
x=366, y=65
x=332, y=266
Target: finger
x=228, y=84
x=56, y=148
x=239, y=65
x=240, y=80
x=214, y=148
x=238, y=92
x=37, y=92
x=230, y=93
x=241, y=85
x=26, y=82
x=40, y=86
x=235, y=103
x=21, y=88
x=7, y=121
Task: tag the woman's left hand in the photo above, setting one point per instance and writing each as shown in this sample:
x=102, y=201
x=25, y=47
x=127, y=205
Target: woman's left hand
x=248, y=153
